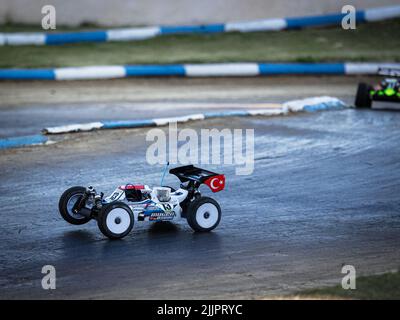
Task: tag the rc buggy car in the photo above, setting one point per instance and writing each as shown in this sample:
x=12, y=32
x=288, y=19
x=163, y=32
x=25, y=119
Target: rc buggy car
x=117, y=213
x=388, y=90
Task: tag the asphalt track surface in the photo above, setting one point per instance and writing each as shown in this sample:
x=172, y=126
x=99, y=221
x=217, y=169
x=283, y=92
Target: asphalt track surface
x=28, y=107
x=324, y=193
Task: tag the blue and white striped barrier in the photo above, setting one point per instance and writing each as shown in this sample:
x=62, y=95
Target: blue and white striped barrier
x=131, y=34
x=195, y=70
x=14, y=142
x=308, y=105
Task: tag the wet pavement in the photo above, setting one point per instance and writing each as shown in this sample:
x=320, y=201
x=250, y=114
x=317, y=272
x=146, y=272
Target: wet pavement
x=324, y=193
x=28, y=107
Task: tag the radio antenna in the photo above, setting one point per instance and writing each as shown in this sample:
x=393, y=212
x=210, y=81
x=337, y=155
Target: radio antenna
x=164, y=173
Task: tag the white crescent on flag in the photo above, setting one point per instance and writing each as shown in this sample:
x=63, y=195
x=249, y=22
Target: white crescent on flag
x=216, y=183
x=212, y=183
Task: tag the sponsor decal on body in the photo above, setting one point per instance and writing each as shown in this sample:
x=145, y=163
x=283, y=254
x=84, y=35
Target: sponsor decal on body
x=161, y=211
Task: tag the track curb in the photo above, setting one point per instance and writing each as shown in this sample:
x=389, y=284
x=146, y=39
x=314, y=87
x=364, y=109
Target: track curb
x=304, y=105
x=239, y=69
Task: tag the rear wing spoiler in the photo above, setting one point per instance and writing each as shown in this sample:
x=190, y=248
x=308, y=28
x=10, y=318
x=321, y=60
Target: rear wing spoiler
x=390, y=72
x=215, y=181
x=191, y=173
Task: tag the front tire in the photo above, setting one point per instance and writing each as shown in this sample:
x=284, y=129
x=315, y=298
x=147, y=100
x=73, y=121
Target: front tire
x=115, y=220
x=67, y=202
x=363, y=99
x=203, y=214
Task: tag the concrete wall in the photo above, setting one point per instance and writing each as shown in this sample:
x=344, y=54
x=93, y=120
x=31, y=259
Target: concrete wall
x=170, y=12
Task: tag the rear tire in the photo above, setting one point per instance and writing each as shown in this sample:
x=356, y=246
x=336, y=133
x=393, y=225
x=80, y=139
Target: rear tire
x=67, y=202
x=363, y=99
x=203, y=214
x=115, y=220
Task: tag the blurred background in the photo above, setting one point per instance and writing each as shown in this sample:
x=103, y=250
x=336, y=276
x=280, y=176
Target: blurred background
x=155, y=12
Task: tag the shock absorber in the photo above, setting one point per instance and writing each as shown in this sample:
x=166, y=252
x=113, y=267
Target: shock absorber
x=79, y=206
x=98, y=201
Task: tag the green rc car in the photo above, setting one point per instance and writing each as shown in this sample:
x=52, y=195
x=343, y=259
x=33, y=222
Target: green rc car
x=388, y=90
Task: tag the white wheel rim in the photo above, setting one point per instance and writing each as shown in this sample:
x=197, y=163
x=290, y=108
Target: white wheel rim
x=207, y=215
x=118, y=220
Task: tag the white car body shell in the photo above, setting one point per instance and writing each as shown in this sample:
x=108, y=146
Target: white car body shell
x=162, y=211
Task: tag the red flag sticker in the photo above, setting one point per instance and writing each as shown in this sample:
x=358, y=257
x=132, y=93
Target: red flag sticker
x=216, y=183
